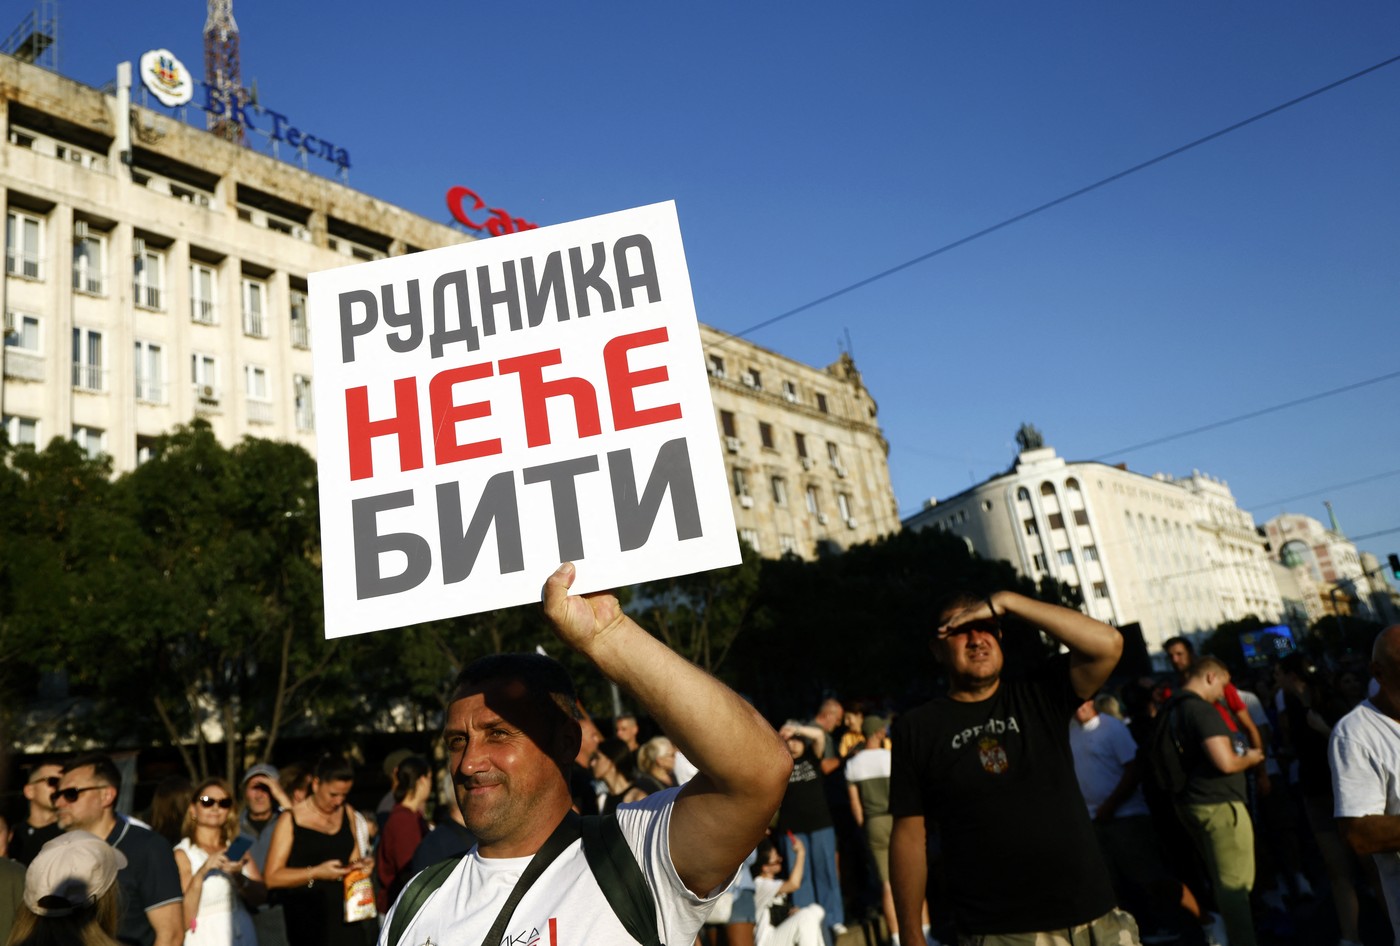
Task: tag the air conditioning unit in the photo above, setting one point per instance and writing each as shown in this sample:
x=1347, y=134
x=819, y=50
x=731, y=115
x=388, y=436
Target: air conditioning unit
x=806, y=463
x=80, y=230
x=207, y=393
x=749, y=380
x=301, y=233
x=731, y=444
x=746, y=502
x=821, y=518
x=138, y=247
x=840, y=469
x=9, y=323
x=850, y=523
x=791, y=396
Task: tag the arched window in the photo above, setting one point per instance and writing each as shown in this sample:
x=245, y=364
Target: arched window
x=1072, y=485
x=1047, y=489
x=1024, y=494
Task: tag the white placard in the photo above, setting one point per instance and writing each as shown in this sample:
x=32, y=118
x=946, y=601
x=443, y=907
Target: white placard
x=487, y=410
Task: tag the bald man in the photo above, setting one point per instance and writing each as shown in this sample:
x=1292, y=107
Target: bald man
x=1365, y=755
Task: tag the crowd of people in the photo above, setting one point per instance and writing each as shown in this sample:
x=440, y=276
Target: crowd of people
x=1197, y=806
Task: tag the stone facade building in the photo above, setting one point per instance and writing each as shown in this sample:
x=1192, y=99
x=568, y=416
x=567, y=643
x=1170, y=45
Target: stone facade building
x=1174, y=556
x=155, y=273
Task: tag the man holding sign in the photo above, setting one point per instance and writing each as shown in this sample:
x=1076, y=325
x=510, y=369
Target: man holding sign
x=511, y=735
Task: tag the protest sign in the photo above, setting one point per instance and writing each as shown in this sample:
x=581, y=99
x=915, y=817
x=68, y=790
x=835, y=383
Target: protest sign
x=488, y=410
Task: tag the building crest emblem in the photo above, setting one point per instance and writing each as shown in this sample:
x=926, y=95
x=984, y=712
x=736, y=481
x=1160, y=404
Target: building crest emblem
x=166, y=77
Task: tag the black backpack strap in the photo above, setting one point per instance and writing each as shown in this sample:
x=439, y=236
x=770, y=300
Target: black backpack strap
x=426, y=883
x=615, y=868
x=419, y=889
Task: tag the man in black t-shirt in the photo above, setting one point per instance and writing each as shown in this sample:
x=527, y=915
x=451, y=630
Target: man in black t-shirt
x=1212, y=805
x=990, y=764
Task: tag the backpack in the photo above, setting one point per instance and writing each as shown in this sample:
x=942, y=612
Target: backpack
x=1166, y=749
x=609, y=858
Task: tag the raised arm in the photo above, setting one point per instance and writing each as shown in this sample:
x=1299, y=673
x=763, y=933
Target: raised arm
x=1094, y=647
x=721, y=813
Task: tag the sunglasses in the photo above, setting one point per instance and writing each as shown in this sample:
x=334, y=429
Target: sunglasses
x=70, y=795
x=51, y=781
x=207, y=802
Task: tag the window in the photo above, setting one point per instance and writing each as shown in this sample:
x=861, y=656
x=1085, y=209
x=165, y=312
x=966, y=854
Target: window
x=790, y=391
x=821, y=402
x=145, y=449
x=801, y=440
x=726, y=423
x=22, y=332
x=779, y=491
x=813, y=500
x=1066, y=557
x=1047, y=489
x=301, y=396
x=148, y=268
x=1023, y=494
x=1081, y=517
x=301, y=331
x=788, y=544
x=750, y=537
x=1091, y=553
x=753, y=379
x=87, y=264
x=717, y=366
x=1100, y=590
x=22, y=430
x=1057, y=521
x=23, y=238
x=833, y=454
x=203, y=292
x=1038, y=560
x=741, y=482
x=204, y=375
x=259, y=401
x=765, y=434
x=1031, y=527
x=91, y=440
x=254, y=319
x=843, y=506
x=150, y=373
x=88, y=374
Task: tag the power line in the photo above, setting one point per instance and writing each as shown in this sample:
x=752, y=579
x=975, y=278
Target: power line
x=1296, y=402
x=1056, y=202
x=1325, y=489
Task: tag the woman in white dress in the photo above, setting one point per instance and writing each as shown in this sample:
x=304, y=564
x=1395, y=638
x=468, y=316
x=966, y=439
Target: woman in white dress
x=214, y=885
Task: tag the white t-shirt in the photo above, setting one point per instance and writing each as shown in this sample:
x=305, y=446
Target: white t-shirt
x=765, y=894
x=1364, y=751
x=565, y=906
x=1101, y=748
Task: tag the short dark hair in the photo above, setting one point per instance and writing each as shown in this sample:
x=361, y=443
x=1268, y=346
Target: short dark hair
x=334, y=768
x=406, y=776
x=102, y=767
x=544, y=678
x=1202, y=665
x=614, y=750
x=953, y=599
x=1170, y=642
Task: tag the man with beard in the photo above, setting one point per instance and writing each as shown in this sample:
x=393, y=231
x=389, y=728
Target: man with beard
x=990, y=764
x=511, y=732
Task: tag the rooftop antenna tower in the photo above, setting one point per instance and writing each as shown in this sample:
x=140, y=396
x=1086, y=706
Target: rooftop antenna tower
x=221, y=70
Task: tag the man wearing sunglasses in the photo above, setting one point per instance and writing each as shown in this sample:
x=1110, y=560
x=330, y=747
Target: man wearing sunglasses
x=41, y=826
x=990, y=766
x=151, y=895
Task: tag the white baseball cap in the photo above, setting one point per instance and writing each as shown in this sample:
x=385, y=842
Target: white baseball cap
x=70, y=872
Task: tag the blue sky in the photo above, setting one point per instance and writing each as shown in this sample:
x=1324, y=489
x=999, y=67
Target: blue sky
x=811, y=146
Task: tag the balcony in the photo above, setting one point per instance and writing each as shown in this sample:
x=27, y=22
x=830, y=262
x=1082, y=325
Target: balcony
x=204, y=312
x=20, y=263
x=301, y=334
x=148, y=297
x=259, y=412
x=150, y=392
x=23, y=365
x=89, y=377
x=254, y=325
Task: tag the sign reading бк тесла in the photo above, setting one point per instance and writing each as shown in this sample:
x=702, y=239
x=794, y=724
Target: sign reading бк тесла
x=488, y=410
